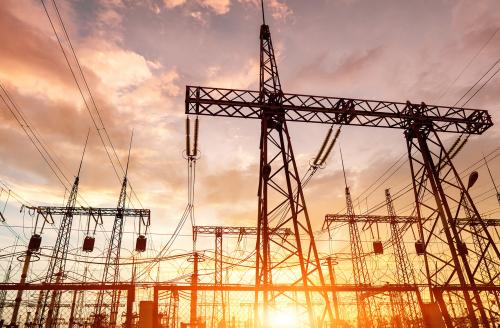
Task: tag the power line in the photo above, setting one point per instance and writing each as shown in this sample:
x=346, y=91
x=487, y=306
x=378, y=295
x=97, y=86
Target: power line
x=468, y=64
x=86, y=88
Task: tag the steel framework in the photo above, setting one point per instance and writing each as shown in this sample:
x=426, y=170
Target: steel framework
x=278, y=173
x=57, y=264
x=406, y=304
x=365, y=307
x=438, y=192
x=111, y=268
x=218, y=305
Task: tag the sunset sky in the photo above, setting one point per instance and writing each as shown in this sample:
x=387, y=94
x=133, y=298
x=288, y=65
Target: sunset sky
x=138, y=56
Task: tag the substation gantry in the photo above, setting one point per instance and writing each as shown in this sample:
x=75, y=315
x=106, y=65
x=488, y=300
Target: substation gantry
x=437, y=186
x=218, y=305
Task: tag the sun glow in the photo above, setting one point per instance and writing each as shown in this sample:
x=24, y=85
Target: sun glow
x=283, y=318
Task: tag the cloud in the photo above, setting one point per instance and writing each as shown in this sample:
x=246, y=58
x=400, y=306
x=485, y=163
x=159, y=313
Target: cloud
x=280, y=10
x=220, y=7
x=243, y=78
x=173, y=3
x=117, y=68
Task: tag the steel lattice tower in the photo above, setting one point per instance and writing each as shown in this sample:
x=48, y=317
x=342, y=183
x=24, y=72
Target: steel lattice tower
x=407, y=305
x=431, y=171
x=359, y=267
x=112, y=269
x=280, y=187
x=57, y=264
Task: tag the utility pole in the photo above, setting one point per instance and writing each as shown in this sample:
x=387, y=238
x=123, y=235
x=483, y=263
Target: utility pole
x=330, y=261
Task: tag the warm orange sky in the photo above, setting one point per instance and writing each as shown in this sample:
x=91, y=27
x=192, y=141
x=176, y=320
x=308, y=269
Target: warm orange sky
x=139, y=55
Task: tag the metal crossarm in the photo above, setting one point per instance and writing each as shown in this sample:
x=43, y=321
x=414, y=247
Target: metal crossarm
x=90, y=211
x=332, y=110
x=211, y=230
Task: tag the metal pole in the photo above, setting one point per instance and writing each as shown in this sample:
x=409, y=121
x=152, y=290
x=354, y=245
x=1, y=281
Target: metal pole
x=194, y=292
x=19, y=296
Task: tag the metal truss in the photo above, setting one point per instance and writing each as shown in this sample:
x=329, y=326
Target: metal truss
x=112, y=268
x=406, y=304
x=57, y=264
x=281, y=200
x=93, y=212
x=365, y=307
x=218, y=306
x=439, y=194
x=240, y=231
x=332, y=110
x=373, y=218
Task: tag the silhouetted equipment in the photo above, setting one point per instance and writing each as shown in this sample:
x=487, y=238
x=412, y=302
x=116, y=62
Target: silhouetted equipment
x=112, y=267
x=140, y=244
x=88, y=244
x=35, y=243
x=378, y=248
x=420, y=247
x=89, y=241
x=192, y=153
x=430, y=164
x=472, y=179
x=326, y=147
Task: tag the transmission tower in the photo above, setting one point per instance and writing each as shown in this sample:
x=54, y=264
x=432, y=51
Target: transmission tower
x=112, y=264
x=406, y=304
x=359, y=268
x=278, y=174
x=57, y=264
x=439, y=191
x=489, y=270
x=219, y=304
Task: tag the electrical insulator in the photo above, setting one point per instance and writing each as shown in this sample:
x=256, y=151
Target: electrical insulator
x=140, y=245
x=378, y=248
x=88, y=244
x=420, y=247
x=35, y=242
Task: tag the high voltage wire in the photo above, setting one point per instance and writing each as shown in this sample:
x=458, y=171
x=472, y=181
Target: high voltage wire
x=32, y=136
x=86, y=88
x=468, y=100
x=468, y=64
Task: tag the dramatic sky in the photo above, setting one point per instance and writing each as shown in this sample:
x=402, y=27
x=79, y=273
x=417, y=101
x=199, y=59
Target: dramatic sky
x=138, y=56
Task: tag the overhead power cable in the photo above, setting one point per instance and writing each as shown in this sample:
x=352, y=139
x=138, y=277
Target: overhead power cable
x=85, y=92
x=471, y=60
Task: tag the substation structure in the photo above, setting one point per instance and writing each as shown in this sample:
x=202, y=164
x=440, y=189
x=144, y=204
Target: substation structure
x=452, y=281
x=441, y=201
